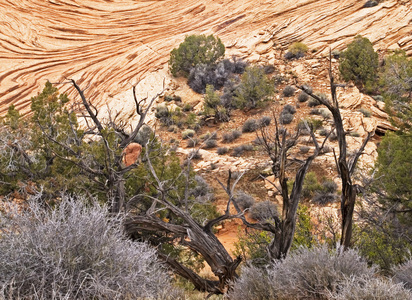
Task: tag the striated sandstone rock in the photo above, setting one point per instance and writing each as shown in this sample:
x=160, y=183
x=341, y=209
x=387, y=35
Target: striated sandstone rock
x=111, y=45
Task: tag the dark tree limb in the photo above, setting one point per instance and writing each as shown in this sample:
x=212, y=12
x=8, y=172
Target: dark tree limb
x=345, y=168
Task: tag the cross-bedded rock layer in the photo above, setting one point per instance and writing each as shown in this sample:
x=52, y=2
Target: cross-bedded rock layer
x=110, y=45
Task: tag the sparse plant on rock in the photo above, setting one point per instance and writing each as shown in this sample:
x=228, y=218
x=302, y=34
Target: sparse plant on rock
x=303, y=97
x=288, y=91
x=250, y=125
x=222, y=150
x=296, y=51
x=188, y=133
x=286, y=118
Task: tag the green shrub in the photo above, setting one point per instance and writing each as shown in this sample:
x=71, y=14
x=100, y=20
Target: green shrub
x=359, y=63
x=365, y=112
x=381, y=247
x=212, y=105
x=304, y=228
x=253, y=89
x=310, y=185
x=187, y=107
x=296, y=50
x=252, y=246
x=208, y=136
x=162, y=112
x=188, y=133
x=315, y=124
x=196, y=49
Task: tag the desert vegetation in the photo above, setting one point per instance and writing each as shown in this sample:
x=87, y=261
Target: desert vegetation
x=124, y=229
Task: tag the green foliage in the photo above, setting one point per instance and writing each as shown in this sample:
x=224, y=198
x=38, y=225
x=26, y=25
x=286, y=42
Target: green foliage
x=381, y=247
x=310, y=185
x=386, y=230
x=177, y=117
x=44, y=155
x=12, y=117
x=315, y=124
x=297, y=48
x=304, y=229
x=254, y=88
x=196, y=49
x=212, y=105
x=394, y=170
x=396, y=78
x=188, y=133
x=252, y=246
x=365, y=112
x=359, y=63
x=396, y=82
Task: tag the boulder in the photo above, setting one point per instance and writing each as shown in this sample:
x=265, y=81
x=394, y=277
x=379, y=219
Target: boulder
x=131, y=153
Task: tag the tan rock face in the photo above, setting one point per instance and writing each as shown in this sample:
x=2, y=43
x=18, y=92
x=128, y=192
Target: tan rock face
x=110, y=45
x=131, y=153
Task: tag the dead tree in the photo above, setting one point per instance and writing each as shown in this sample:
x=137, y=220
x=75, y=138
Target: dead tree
x=345, y=165
x=187, y=232
x=277, y=146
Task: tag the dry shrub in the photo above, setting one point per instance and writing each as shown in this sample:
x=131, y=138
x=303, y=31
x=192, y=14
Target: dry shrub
x=403, y=274
x=361, y=288
x=75, y=252
x=314, y=273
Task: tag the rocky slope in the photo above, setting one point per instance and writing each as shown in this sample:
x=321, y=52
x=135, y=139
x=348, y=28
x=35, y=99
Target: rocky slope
x=108, y=46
